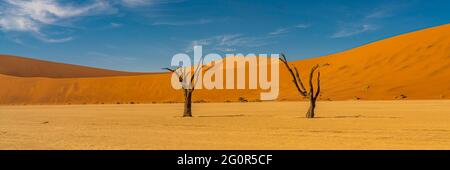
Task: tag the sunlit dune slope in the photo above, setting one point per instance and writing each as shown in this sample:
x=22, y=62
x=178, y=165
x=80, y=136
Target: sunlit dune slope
x=414, y=65
x=27, y=67
x=411, y=66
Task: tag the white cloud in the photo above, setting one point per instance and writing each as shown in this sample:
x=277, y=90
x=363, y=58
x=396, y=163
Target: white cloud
x=387, y=10
x=365, y=23
x=50, y=11
x=230, y=39
x=17, y=23
x=230, y=42
x=134, y=3
x=286, y=30
x=36, y=16
x=183, y=23
x=354, y=30
x=303, y=26
x=45, y=38
x=378, y=14
x=279, y=31
x=140, y=3
x=33, y=15
x=226, y=49
x=115, y=25
x=201, y=42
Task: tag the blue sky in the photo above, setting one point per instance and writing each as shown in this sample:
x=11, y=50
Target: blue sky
x=143, y=35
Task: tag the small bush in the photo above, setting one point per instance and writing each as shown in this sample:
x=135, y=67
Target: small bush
x=242, y=99
x=200, y=101
x=401, y=96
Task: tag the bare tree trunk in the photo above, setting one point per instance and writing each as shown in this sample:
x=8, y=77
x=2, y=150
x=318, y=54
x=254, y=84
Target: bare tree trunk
x=187, y=103
x=188, y=85
x=312, y=107
x=301, y=88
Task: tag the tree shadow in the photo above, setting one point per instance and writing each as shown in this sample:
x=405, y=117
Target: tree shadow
x=342, y=117
x=356, y=117
x=236, y=115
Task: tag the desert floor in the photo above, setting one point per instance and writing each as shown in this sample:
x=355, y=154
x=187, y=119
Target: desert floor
x=263, y=125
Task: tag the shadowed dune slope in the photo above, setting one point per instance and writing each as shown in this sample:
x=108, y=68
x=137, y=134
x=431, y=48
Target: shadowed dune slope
x=410, y=66
x=27, y=67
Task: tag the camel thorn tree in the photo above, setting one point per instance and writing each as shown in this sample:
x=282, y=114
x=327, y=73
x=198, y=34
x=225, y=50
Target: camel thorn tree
x=188, y=80
x=311, y=95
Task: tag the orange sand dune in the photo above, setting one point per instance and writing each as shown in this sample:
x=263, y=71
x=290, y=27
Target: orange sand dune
x=410, y=66
x=27, y=67
x=416, y=65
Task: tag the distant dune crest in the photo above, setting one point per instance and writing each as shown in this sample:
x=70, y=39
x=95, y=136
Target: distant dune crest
x=27, y=67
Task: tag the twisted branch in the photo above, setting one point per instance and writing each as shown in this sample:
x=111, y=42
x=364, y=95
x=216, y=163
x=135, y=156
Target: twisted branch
x=296, y=78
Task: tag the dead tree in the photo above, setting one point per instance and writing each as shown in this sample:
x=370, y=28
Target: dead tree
x=311, y=95
x=188, y=82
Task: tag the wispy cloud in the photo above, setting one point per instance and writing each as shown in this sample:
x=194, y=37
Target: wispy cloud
x=47, y=39
x=201, y=42
x=388, y=10
x=134, y=3
x=286, y=30
x=229, y=42
x=379, y=13
x=31, y=16
x=140, y=3
x=115, y=25
x=366, y=22
x=228, y=50
x=350, y=31
x=303, y=26
x=279, y=31
x=183, y=23
x=233, y=42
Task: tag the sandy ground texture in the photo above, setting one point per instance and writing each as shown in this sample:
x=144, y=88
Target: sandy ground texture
x=260, y=125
